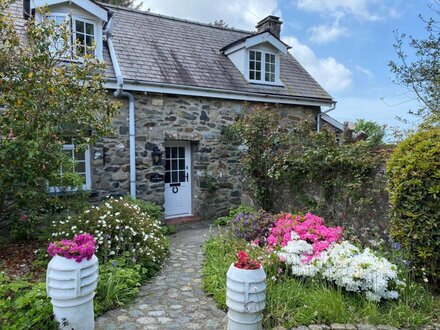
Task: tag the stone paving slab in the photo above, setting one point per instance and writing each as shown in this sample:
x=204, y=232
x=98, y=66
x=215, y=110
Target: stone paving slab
x=174, y=298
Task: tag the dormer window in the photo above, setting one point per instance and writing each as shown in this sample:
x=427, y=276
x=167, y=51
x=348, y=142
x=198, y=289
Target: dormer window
x=84, y=37
x=258, y=56
x=84, y=19
x=82, y=34
x=262, y=66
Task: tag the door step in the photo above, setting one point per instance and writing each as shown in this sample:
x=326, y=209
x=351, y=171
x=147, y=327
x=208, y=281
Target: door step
x=173, y=221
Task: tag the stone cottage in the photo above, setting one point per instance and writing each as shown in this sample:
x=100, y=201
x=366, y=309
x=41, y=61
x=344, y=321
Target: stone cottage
x=181, y=83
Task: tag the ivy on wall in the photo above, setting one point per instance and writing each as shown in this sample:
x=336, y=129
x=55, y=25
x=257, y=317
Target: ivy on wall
x=290, y=166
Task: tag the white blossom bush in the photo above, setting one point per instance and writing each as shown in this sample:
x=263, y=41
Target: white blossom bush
x=347, y=266
x=120, y=229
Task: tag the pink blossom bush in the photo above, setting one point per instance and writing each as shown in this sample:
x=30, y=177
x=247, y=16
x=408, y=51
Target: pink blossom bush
x=309, y=228
x=81, y=247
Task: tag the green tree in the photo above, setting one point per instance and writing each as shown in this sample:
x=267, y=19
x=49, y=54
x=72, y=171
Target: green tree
x=46, y=99
x=374, y=131
x=421, y=75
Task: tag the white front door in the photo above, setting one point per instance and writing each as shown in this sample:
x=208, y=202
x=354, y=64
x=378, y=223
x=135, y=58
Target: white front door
x=177, y=179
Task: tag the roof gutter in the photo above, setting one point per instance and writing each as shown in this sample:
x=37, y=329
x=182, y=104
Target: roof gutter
x=131, y=115
x=319, y=115
x=167, y=88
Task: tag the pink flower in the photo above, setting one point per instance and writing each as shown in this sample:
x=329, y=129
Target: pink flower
x=81, y=247
x=279, y=270
x=282, y=258
x=24, y=218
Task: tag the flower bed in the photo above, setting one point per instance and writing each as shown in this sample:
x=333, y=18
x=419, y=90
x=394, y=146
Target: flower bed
x=316, y=277
x=123, y=266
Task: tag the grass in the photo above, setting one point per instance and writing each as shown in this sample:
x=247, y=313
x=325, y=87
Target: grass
x=293, y=301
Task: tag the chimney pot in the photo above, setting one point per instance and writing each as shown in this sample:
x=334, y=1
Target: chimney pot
x=270, y=23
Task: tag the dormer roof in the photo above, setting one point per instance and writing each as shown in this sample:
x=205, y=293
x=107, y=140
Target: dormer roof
x=90, y=6
x=254, y=40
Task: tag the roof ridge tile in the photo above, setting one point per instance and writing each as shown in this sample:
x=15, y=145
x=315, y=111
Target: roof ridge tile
x=137, y=11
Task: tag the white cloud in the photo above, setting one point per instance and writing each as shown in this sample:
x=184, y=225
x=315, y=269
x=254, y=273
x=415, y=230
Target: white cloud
x=323, y=34
x=242, y=14
x=359, y=8
x=332, y=75
x=364, y=71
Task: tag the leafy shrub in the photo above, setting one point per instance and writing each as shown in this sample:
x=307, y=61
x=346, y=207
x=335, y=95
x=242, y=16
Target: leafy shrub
x=153, y=210
x=224, y=221
x=291, y=166
x=118, y=226
x=24, y=305
x=414, y=187
x=168, y=229
x=253, y=226
x=118, y=285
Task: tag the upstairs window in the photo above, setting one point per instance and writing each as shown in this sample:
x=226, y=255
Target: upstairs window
x=82, y=35
x=262, y=66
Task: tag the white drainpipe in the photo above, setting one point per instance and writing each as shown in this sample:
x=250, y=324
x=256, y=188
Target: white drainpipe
x=319, y=115
x=131, y=116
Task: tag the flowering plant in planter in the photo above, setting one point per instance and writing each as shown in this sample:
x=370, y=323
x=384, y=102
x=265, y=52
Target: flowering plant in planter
x=81, y=247
x=243, y=262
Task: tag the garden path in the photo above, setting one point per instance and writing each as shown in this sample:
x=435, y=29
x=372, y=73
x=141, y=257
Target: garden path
x=174, y=298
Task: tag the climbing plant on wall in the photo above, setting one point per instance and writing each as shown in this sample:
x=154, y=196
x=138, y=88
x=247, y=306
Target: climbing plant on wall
x=291, y=166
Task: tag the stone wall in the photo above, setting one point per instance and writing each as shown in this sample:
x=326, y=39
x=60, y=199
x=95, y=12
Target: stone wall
x=217, y=179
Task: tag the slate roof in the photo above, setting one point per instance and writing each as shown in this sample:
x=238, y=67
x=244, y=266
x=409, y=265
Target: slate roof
x=161, y=49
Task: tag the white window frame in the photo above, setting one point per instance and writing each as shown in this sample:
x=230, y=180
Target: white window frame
x=75, y=18
x=263, y=81
x=88, y=184
x=72, y=56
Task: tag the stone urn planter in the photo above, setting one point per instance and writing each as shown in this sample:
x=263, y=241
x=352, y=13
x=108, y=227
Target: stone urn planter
x=71, y=279
x=245, y=297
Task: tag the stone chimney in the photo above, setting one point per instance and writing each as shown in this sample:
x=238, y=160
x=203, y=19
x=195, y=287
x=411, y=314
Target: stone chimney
x=270, y=23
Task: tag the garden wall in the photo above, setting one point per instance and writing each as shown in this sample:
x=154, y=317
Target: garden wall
x=363, y=214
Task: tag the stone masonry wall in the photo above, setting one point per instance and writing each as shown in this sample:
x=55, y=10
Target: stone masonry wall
x=217, y=179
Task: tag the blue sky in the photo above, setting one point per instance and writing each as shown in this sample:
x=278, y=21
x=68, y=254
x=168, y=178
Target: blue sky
x=345, y=44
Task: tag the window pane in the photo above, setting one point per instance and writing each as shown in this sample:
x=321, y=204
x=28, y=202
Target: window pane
x=174, y=176
x=167, y=177
x=266, y=76
x=79, y=26
x=80, y=167
x=167, y=165
x=252, y=65
x=252, y=75
x=89, y=41
x=181, y=164
x=174, y=164
x=167, y=152
x=80, y=155
x=181, y=176
x=173, y=152
x=181, y=152
x=258, y=66
x=252, y=55
x=90, y=29
x=258, y=56
x=258, y=75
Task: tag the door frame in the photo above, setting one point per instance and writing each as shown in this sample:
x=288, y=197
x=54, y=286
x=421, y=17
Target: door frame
x=188, y=151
